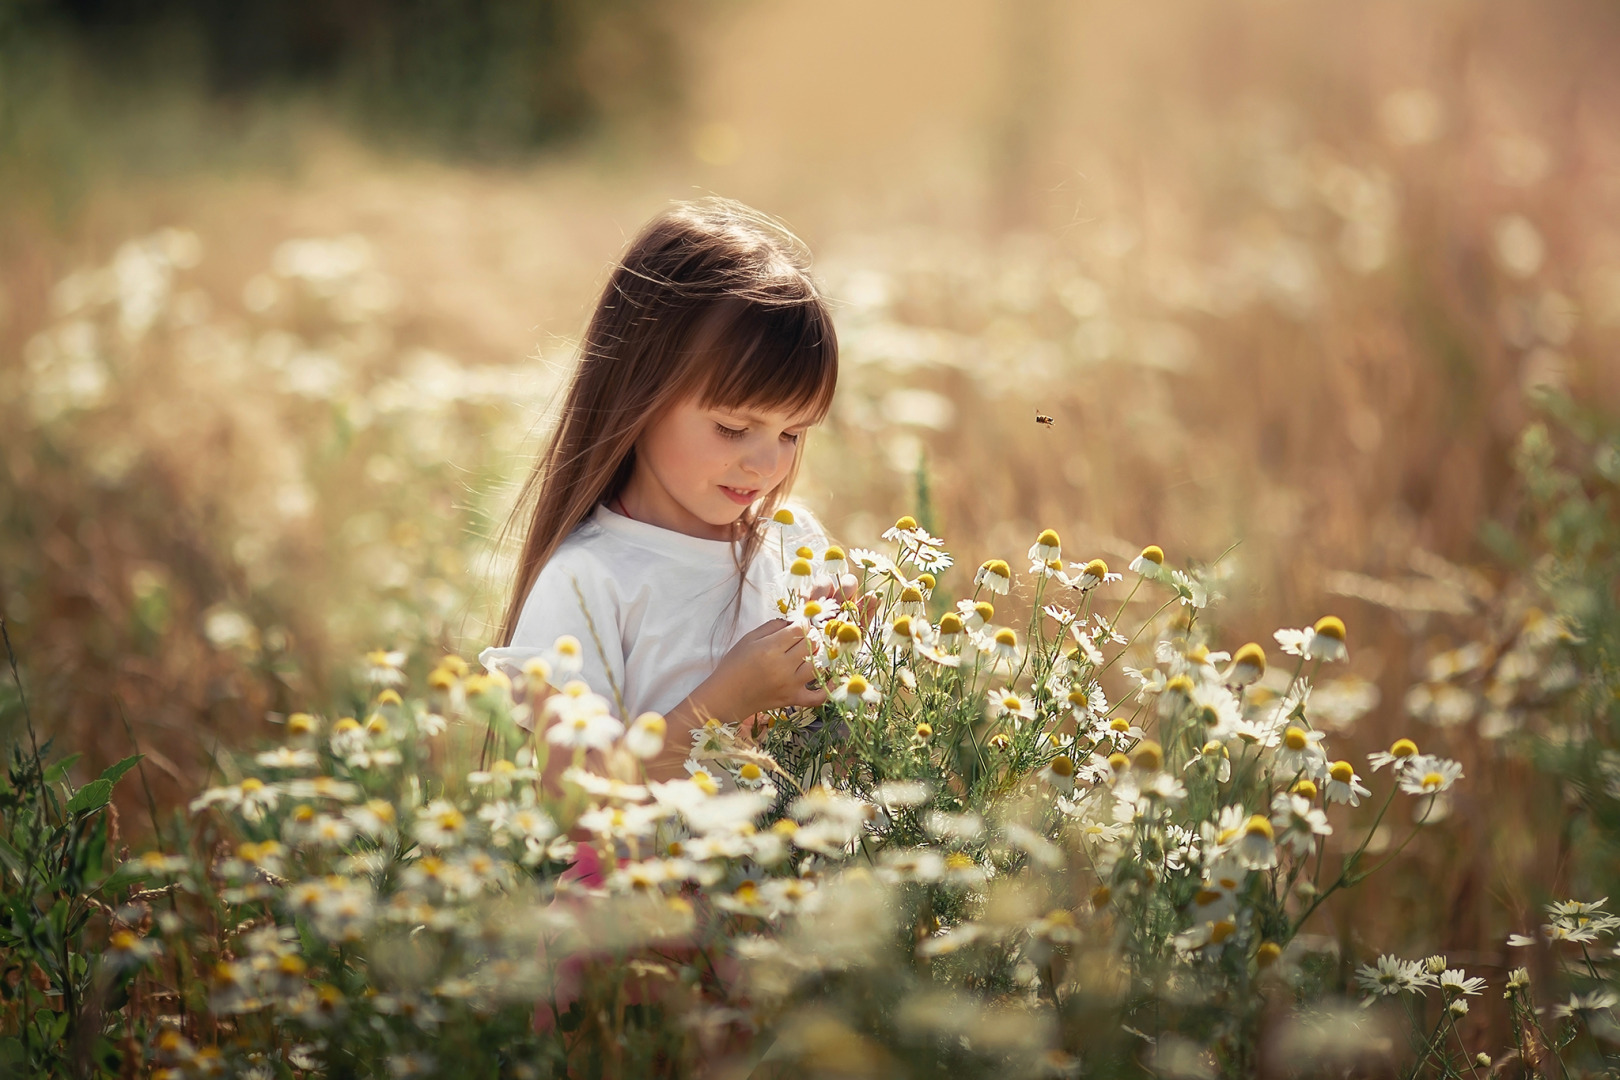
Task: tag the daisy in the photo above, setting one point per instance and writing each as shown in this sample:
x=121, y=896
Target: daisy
x=1343, y=785
x=1089, y=575
x=911, y=602
x=1217, y=709
x=1248, y=666
x=286, y=757
x=995, y=575
x=1455, y=981
x=932, y=559
x=976, y=614
x=1301, y=752
x=1427, y=775
x=1007, y=703
x=1324, y=640
x=646, y=736
x=902, y=634
x=1254, y=847
x=440, y=825
x=855, y=691
x=1193, y=592
x=951, y=628
x=1214, y=755
x=1298, y=822
x=872, y=562
x=1400, y=754
x=1047, y=548
x=833, y=563
x=252, y=798
x=1059, y=773
x=375, y=817
x=383, y=667
x=1086, y=641
x=800, y=578
x=1002, y=646
x=1150, y=564
x=1392, y=976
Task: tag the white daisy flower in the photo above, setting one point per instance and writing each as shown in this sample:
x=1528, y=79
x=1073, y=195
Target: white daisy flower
x=1248, y=666
x=1150, y=564
x=1343, y=785
x=1301, y=752
x=251, y=798
x=439, y=825
x=1456, y=981
x=1087, y=576
x=976, y=614
x=1401, y=754
x=1254, y=846
x=1325, y=640
x=1298, y=823
x=383, y=667
x=1430, y=775
x=1059, y=773
x=1002, y=646
x=1392, y=976
x=1007, y=703
x=872, y=562
x=646, y=736
x=285, y=757
x=995, y=575
x=854, y=692
x=911, y=602
x=833, y=563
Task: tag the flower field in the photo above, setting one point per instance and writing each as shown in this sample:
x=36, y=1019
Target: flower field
x=1261, y=716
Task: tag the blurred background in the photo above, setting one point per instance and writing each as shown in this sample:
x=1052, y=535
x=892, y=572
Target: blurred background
x=286, y=290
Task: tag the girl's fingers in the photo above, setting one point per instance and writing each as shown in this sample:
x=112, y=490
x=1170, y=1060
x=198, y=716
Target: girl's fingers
x=810, y=698
x=766, y=629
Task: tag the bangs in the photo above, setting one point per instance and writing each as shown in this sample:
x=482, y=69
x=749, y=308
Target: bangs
x=781, y=356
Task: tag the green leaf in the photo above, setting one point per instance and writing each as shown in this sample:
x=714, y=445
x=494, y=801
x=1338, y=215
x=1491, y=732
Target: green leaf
x=116, y=772
x=93, y=796
x=59, y=770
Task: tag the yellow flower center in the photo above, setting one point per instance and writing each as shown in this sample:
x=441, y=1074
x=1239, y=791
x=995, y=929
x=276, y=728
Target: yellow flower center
x=376, y=724
x=1330, y=626
x=805, y=553
x=950, y=623
x=1120, y=724
x=747, y=892
x=856, y=685
x=251, y=785
x=1048, y=538
x=1433, y=780
x=902, y=626
x=348, y=723
x=1342, y=771
x=300, y=723
x=1062, y=765
x=1148, y=756
x=1199, y=654
x=1006, y=637
x=1295, y=739
x=705, y=783
x=800, y=568
x=925, y=731
x=652, y=723
x=1213, y=748
x=1153, y=553
x=1221, y=931
x=927, y=581
x=123, y=940
x=1267, y=953
x=1251, y=655
x=1403, y=748
x=984, y=610
x=906, y=523
x=1306, y=788
x=833, y=554
x=997, y=568
x=1097, y=568
x=1181, y=684
x=848, y=634
x=811, y=609
x=1101, y=895
x=958, y=861
x=291, y=965
x=1258, y=826
x=750, y=772
x=1118, y=761
x=388, y=697
x=783, y=516
x=911, y=595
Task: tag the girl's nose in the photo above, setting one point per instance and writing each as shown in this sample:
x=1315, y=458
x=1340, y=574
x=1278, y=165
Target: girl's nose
x=761, y=460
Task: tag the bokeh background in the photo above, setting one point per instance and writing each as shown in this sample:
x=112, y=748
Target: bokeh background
x=286, y=291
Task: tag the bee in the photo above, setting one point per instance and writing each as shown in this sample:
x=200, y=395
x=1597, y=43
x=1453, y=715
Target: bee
x=1044, y=420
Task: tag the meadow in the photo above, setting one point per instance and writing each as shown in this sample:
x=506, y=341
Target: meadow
x=1321, y=303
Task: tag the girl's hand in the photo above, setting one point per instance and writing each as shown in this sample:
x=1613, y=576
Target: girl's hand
x=768, y=669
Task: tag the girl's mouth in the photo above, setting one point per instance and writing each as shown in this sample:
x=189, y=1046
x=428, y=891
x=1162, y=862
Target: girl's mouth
x=740, y=496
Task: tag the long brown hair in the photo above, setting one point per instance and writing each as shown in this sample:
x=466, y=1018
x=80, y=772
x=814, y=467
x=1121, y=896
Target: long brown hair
x=711, y=299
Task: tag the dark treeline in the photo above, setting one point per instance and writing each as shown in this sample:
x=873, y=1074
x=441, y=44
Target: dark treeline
x=473, y=76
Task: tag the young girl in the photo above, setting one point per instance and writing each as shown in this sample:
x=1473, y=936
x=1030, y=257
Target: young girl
x=650, y=532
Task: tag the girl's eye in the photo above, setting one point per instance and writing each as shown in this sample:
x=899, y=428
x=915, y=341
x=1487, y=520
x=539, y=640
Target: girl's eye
x=730, y=433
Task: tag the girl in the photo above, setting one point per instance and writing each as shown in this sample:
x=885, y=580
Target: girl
x=650, y=533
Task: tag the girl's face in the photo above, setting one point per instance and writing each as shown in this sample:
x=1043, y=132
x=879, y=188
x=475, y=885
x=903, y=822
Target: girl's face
x=697, y=469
